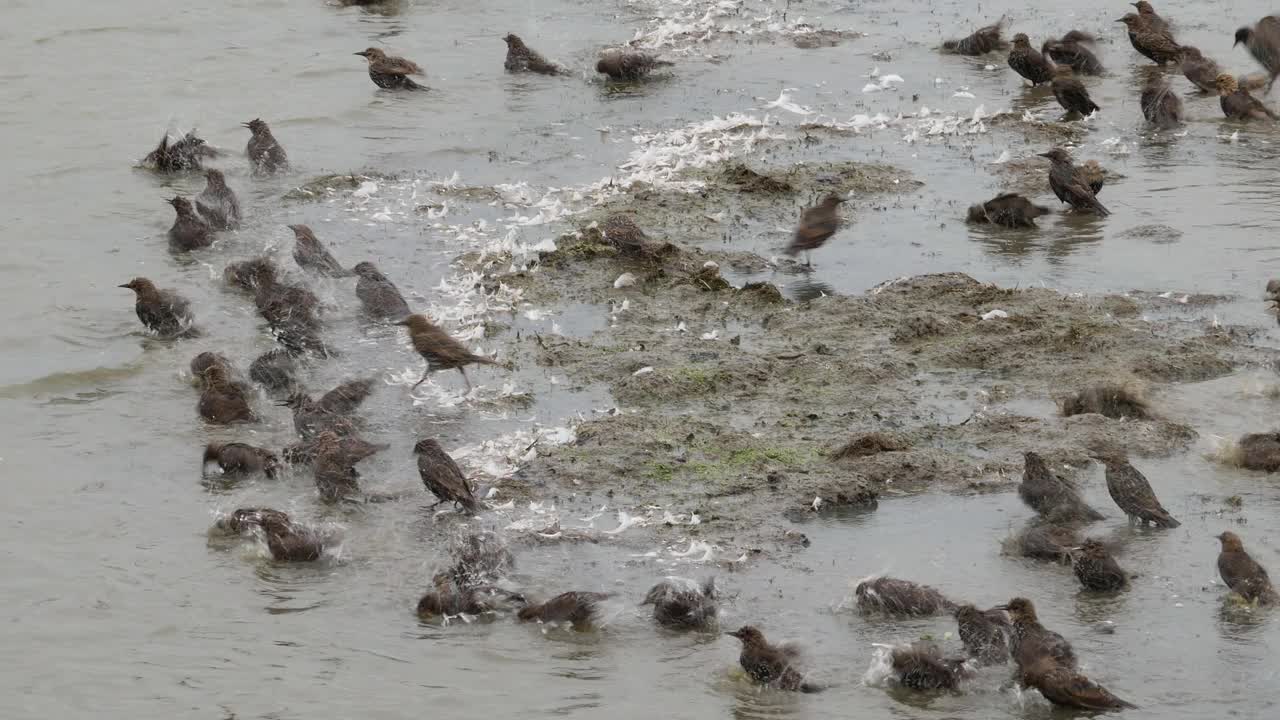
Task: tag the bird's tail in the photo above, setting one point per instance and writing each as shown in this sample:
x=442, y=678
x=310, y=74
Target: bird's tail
x=1166, y=520
x=1100, y=208
x=411, y=85
x=808, y=687
x=663, y=63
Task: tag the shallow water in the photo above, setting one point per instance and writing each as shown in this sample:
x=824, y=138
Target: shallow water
x=120, y=606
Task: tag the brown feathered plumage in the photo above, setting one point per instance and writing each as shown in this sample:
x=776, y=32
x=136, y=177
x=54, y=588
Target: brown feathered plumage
x=1133, y=494
x=236, y=459
x=1066, y=183
x=264, y=153
x=1160, y=106
x=1009, y=210
x=522, y=58
x=683, y=604
x=189, y=230
x=164, y=312
x=1071, y=93
x=1201, y=71
x=983, y=633
x=1063, y=685
x=1047, y=540
x=217, y=203
x=817, y=225
x=1237, y=103
x=627, y=64
x=335, y=467
x=390, y=72
x=921, y=666
x=1260, y=451
x=1263, y=43
x=1073, y=51
x=1155, y=43
x=900, y=597
x=1096, y=569
x=442, y=476
x=223, y=401
x=1242, y=573
x=1030, y=641
x=981, y=42
x=379, y=296
x=1049, y=494
x=580, y=609
x=311, y=254
x=769, y=665
x=440, y=350
x=1029, y=62
x=332, y=411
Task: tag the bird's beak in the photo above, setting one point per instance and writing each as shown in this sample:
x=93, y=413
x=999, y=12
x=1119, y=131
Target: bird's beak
x=1002, y=608
x=244, y=125
x=1120, y=20
x=1043, y=155
x=293, y=227
x=126, y=286
x=404, y=322
x=735, y=633
x=361, y=54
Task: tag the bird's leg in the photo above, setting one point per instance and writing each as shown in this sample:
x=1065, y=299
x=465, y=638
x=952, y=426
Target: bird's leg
x=425, y=373
x=467, y=379
x=433, y=507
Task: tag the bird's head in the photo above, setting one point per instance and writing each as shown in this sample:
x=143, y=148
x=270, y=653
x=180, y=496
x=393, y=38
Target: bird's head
x=832, y=200
x=1020, y=608
x=255, y=125
x=139, y=285
x=1144, y=7
x=215, y=177
x=372, y=54
x=367, y=269
x=415, y=323
x=749, y=635
x=513, y=40
x=1021, y=40
x=1231, y=542
x=181, y=204
x=1056, y=155
x=425, y=445
x=1130, y=19
x=302, y=233
x=1225, y=83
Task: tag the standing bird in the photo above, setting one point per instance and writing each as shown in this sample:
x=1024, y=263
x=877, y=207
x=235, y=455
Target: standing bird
x=223, y=401
x=1133, y=494
x=521, y=58
x=189, y=230
x=440, y=350
x=1263, y=43
x=817, y=225
x=1201, y=71
x=1028, y=62
x=390, y=72
x=1030, y=641
x=901, y=598
x=311, y=255
x=442, y=476
x=164, y=312
x=1159, y=105
x=265, y=154
x=1050, y=495
x=1238, y=104
x=1242, y=573
x=237, y=459
x=683, y=604
x=217, y=203
x=1096, y=569
x=1149, y=16
x=981, y=42
x=1065, y=686
x=1071, y=93
x=1072, y=50
x=627, y=65
x=769, y=665
x=379, y=296
x=983, y=634
x=580, y=609
x=1069, y=186
x=1154, y=43
x=1007, y=209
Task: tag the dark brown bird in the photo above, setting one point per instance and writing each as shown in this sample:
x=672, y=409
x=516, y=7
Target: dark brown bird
x=205, y=360
x=1201, y=71
x=900, y=597
x=288, y=541
x=1096, y=569
x=628, y=65
x=1238, y=104
x=189, y=231
x=1030, y=641
x=1007, y=209
x=440, y=350
x=921, y=666
x=1071, y=93
x=817, y=225
x=186, y=153
x=1260, y=451
x=275, y=370
x=1073, y=50
x=237, y=459
x=1154, y=43
x=164, y=312
x=1159, y=105
x=1029, y=62
x=332, y=411
x=1108, y=399
x=983, y=634
x=1242, y=573
x=390, y=72
x=223, y=401
x=304, y=452
x=580, y=609
x=1263, y=43
x=310, y=254
x=265, y=154
x=521, y=58
x=1149, y=16
x=1133, y=494
x=1067, y=184
x=379, y=296
x=217, y=203
x=769, y=665
x=447, y=599
x=1047, y=493
x=245, y=274
x=244, y=520
x=1047, y=540
x=1063, y=685
x=981, y=42
x=284, y=306
x=442, y=476
x=335, y=467
x=682, y=604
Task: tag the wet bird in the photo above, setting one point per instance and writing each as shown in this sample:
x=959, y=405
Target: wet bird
x=1242, y=573
x=217, y=203
x=440, y=350
x=189, y=230
x=1133, y=494
x=305, y=451
x=1201, y=71
x=275, y=370
x=625, y=235
x=921, y=666
x=335, y=467
x=390, y=72
x=769, y=665
x=237, y=459
x=288, y=541
x=1071, y=94
x=1063, y=685
x=163, y=312
x=1047, y=540
x=1238, y=104
x=205, y=360
x=186, y=153
x=447, y=599
x=981, y=42
x=245, y=274
x=442, y=476
x=682, y=604
x=265, y=154
x=983, y=634
x=1072, y=50
x=1096, y=569
x=310, y=254
x=1159, y=105
x=1029, y=62
x=243, y=520
x=521, y=58
x=332, y=411
x=1047, y=493
x=817, y=225
x=1030, y=641
x=1154, y=43
x=580, y=609
x=1068, y=185
x=900, y=597
x=1263, y=43
x=628, y=65
x=223, y=401
x=379, y=296
x=1260, y=451
x=1148, y=15
x=1007, y=209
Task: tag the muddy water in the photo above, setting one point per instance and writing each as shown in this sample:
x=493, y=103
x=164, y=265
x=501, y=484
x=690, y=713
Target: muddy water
x=120, y=606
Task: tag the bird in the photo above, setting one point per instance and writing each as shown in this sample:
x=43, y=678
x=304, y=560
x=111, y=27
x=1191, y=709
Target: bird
x=304, y=452
x=1260, y=451
x=1045, y=492
x=1149, y=16
x=1063, y=685
x=579, y=609
x=682, y=604
x=1071, y=49
x=163, y=312
x=1096, y=569
x=1199, y=70
x=189, y=230
x=186, y=153
x=313, y=256
x=817, y=225
x=288, y=541
x=1030, y=641
x=1154, y=43
x=440, y=350
x=223, y=401
x=390, y=72
x=1238, y=104
x=1068, y=185
x=1263, y=43
x=521, y=58
x=442, y=476
x=446, y=599
x=332, y=411
x=205, y=360
x=1007, y=209
x=379, y=296
x=334, y=467
x=769, y=665
x=900, y=597
x=1047, y=540
x=629, y=65
x=275, y=370
x=1113, y=400
x=1071, y=93
x=921, y=666
x=244, y=520
x=621, y=232
x=1029, y=62
x=245, y=274
x=1132, y=492
x=981, y=42
x=237, y=459
x=1242, y=573
x=217, y=203
x=983, y=633
x=265, y=154
x=1159, y=105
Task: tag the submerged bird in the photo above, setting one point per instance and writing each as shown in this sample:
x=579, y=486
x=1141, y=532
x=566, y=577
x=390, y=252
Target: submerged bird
x=446, y=599
x=186, y=153
x=1133, y=494
x=981, y=42
x=983, y=633
x=1029, y=62
x=310, y=254
x=1201, y=71
x=164, y=312
x=332, y=411
x=683, y=604
x=236, y=459
x=442, y=476
x=379, y=296
x=521, y=57
x=817, y=225
x=390, y=72
x=1263, y=43
x=1007, y=209
x=265, y=154
x=1071, y=93
x=769, y=665
x=1048, y=494
x=1242, y=573
x=1153, y=42
x=621, y=64
x=440, y=350
x=580, y=609
x=244, y=520
x=217, y=203
x=1063, y=685
x=1149, y=16
x=1096, y=569
x=921, y=666
x=900, y=597
x=189, y=230
x=1047, y=540
x=1030, y=641
x=1159, y=105
x=1238, y=104
x=274, y=370
x=223, y=400
x=1067, y=184
x=288, y=541
x=1071, y=49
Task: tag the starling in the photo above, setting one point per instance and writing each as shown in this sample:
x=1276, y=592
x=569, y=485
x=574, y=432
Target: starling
x=1062, y=685
x=1131, y=491
x=983, y=634
x=265, y=154
x=1159, y=105
x=1047, y=540
x=288, y=541
x=164, y=312
x=442, y=476
x=189, y=231
x=439, y=350
x=244, y=520
x=1263, y=43
x=521, y=58
x=335, y=467
x=1030, y=641
x=1096, y=569
x=1260, y=451
x=1114, y=401
x=1071, y=93
x=1154, y=43
x=304, y=452
x=245, y=274
x=186, y=153
x=1068, y=185
x=1007, y=209
x=332, y=411
x=217, y=203
x=682, y=604
x=981, y=42
x=311, y=255
x=1047, y=493
x=627, y=65
x=1238, y=104
x=282, y=304
x=769, y=665
x=1242, y=573
x=1149, y=16
x=237, y=459
x=447, y=599
x=274, y=370
x=223, y=401
x=205, y=360
x=1201, y=71
x=390, y=72
x=379, y=296
x=580, y=609
x=817, y=225
x=1072, y=50
x=900, y=597
x=625, y=236
x=921, y=666
x=1028, y=62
